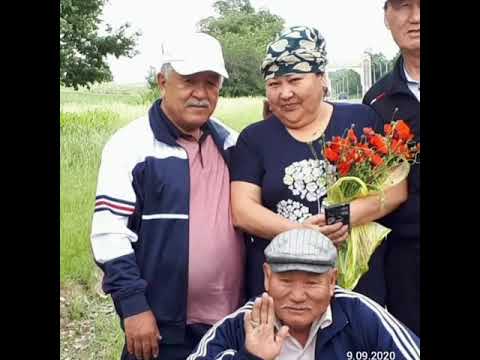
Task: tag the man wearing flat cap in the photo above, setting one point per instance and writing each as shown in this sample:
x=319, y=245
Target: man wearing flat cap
x=303, y=315
x=162, y=231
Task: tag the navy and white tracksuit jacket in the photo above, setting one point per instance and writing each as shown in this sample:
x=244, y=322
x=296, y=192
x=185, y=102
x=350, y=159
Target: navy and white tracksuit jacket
x=360, y=326
x=140, y=225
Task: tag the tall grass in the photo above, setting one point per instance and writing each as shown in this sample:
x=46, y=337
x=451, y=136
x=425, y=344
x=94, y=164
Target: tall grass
x=82, y=136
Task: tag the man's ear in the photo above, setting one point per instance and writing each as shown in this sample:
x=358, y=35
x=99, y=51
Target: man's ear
x=333, y=281
x=385, y=20
x=267, y=274
x=161, y=80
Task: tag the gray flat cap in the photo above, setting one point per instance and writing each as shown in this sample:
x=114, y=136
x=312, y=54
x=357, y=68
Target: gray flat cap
x=301, y=249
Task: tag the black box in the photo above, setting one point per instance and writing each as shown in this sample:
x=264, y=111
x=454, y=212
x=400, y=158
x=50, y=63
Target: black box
x=338, y=213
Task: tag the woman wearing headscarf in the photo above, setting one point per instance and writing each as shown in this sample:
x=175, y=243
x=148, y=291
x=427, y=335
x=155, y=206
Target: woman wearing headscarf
x=279, y=176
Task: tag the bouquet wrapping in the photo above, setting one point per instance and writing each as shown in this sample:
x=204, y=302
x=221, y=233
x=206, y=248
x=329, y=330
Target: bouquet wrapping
x=367, y=167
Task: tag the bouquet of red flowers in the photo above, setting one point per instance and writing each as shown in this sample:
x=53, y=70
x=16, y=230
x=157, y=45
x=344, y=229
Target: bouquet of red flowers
x=365, y=167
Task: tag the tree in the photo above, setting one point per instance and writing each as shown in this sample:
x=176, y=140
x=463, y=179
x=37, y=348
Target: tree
x=244, y=34
x=381, y=65
x=83, y=51
x=153, y=91
x=346, y=82
x=152, y=78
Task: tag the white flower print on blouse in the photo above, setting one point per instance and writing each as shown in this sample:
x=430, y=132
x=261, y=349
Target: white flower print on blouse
x=308, y=178
x=293, y=210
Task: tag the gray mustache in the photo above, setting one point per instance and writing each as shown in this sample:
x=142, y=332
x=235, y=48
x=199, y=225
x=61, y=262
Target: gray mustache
x=195, y=103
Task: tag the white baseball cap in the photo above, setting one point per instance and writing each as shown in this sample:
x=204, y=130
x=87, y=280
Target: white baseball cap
x=193, y=53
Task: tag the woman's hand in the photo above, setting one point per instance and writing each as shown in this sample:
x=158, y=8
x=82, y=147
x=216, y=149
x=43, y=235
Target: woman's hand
x=337, y=232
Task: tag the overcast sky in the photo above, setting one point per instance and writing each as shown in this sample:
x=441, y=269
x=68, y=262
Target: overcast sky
x=349, y=27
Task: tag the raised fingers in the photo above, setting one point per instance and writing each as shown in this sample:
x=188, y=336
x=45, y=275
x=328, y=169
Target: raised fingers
x=271, y=311
x=246, y=320
x=255, y=315
x=264, y=309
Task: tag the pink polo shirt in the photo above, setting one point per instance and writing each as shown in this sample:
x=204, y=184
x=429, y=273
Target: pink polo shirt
x=216, y=248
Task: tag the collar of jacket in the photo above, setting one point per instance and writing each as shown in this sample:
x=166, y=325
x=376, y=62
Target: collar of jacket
x=164, y=130
x=339, y=322
x=396, y=81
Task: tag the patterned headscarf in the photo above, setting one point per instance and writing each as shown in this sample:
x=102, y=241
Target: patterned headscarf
x=298, y=49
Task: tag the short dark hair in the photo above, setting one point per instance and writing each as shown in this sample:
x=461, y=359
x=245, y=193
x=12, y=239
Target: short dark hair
x=385, y=5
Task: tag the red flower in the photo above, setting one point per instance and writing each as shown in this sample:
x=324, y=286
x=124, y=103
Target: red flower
x=376, y=160
x=331, y=154
x=351, y=136
x=336, y=144
x=400, y=148
x=403, y=150
x=379, y=143
x=368, y=131
x=370, y=160
x=395, y=144
x=402, y=130
x=344, y=167
x=365, y=150
x=388, y=129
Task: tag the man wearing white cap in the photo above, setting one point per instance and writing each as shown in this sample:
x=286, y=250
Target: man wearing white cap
x=162, y=231
x=304, y=316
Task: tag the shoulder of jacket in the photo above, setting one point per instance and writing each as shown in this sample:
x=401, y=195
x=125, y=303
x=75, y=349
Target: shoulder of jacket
x=131, y=133
x=131, y=143
x=219, y=124
x=228, y=135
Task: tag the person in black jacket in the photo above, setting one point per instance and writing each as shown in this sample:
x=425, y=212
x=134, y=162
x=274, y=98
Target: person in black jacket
x=394, y=276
